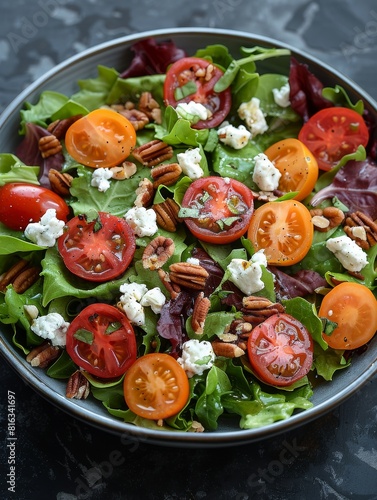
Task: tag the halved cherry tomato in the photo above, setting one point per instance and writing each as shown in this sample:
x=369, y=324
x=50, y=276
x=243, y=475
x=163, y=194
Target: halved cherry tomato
x=332, y=133
x=156, y=386
x=101, y=340
x=280, y=350
x=283, y=229
x=354, y=308
x=297, y=165
x=102, y=138
x=193, y=79
x=97, y=250
x=217, y=209
x=22, y=203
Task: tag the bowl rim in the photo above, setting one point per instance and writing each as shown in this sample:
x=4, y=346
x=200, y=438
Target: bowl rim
x=111, y=424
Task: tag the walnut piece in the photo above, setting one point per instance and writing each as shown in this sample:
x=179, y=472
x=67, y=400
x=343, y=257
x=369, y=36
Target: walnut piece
x=157, y=252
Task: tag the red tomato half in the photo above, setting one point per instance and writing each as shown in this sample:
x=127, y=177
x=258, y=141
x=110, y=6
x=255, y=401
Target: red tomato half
x=193, y=79
x=101, y=340
x=22, y=203
x=280, y=350
x=332, y=133
x=217, y=210
x=97, y=250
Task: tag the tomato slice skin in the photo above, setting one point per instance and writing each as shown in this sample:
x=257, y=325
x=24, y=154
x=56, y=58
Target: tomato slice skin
x=22, y=203
x=332, y=133
x=284, y=230
x=156, y=386
x=297, y=165
x=280, y=350
x=113, y=348
x=102, y=138
x=224, y=208
x=98, y=250
x=193, y=69
x=354, y=308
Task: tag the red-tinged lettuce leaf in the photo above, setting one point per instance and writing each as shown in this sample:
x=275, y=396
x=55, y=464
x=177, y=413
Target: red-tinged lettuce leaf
x=215, y=271
x=152, y=57
x=305, y=90
x=28, y=152
x=172, y=319
x=355, y=185
x=300, y=284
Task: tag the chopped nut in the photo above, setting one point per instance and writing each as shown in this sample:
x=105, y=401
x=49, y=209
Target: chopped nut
x=136, y=117
x=149, y=106
x=167, y=215
x=326, y=219
x=43, y=355
x=227, y=349
x=196, y=427
x=22, y=275
x=49, y=145
x=320, y=222
x=362, y=229
x=124, y=171
x=78, y=386
x=199, y=314
x=165, y=174
x=192, y=276
x=152, y=153
x=60, y=182
x=157, y=253
x=144, y=193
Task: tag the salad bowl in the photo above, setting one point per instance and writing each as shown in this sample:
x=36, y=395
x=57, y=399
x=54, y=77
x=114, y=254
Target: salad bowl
x=117, y=54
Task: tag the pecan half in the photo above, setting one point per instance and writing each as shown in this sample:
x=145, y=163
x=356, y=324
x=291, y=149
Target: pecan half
x=326, y=219
x=167, y=214
x=144, y=193
x=60, y=182
x=199, y=314
x=157, y=252
x=192, y=276
x=21, y=275
x=43, y=355
x=152, y=153
x=166, y=174
x=49, y=145
x=172, y=288
x=136, y=117
x=257, y=309
x=362, y=229
x=227, y=349
x=78, y=386
x=59, y=127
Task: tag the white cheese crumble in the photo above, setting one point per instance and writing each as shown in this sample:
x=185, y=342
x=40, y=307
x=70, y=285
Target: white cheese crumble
x=281, y=96
x=192, y=260
x=52, y=327
x=235, y=137
x=142, y=221
x=100, y=179
x=197, y=356
x=45, y=232
x=247, y=274
x=193, y=111
x=189, y=161
x=136, y=296
x=266, y=176
x=348, y=252
x=253, y=116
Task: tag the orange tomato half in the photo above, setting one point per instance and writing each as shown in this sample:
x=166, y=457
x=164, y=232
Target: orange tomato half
x=354, y=308
x=284, y=230
x=156, y=386
x=297, y=165
x=102, y=138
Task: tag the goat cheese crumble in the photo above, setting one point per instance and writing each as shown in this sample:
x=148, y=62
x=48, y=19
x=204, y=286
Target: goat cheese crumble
x=197, y=356
x=235, y=137
x=266, y=176
x=252, y=114
x=136, y=296
x=52, y=327
x=142, y=221
x=189, y=161
x=100, y=179
x=45, y=232
x=193, y=111
x=247, y=274
x=281, y=96
x=348, y=252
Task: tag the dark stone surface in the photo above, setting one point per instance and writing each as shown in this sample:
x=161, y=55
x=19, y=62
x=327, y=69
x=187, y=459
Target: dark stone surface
x=334, y=457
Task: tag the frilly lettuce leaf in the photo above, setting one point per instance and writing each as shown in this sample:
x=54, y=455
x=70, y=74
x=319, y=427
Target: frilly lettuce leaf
x=14, y=170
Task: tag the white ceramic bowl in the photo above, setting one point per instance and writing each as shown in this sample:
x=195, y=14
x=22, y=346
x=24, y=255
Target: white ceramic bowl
x=63, y=78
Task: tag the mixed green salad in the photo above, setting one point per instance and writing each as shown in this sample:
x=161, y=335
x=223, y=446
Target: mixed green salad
x=189, y=239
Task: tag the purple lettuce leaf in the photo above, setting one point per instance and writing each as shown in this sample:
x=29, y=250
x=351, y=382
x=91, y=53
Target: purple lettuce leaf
x=305, y=90
x=215, y=271
x=28, y=152
x=152, y=57
x=355, y=185
x=300, y=284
